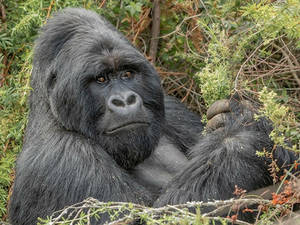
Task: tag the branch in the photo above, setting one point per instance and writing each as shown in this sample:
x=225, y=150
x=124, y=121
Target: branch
x=155, y=30
x=123, y=212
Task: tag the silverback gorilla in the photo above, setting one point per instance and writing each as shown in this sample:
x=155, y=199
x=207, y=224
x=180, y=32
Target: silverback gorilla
x=100, y=126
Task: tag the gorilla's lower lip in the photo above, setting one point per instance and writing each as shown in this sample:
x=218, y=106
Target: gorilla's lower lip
x=127, y=127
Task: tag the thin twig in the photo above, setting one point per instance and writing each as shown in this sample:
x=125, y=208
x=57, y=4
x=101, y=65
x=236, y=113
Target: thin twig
x=50, y=9
x=177, y=29
x=242, y=66
x=286, y=54
x=189, y=91
x=102, y=4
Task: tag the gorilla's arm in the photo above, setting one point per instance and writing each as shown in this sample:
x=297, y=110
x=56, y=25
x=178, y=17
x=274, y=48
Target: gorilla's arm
x=224, y=158
x=65, y=170
x=182, y=125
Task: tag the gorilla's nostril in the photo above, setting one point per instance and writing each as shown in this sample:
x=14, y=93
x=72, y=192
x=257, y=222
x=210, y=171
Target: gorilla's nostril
x=131, y=100
x=118, y=102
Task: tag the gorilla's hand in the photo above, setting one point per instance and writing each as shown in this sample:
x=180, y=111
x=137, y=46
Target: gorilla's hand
x=227, y=111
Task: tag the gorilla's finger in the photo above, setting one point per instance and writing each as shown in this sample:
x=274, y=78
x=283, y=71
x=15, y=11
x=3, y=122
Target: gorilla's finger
x=216, y=122
x=220, y=106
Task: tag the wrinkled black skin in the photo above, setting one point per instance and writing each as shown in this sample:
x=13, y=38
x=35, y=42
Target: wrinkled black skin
x=68, y=154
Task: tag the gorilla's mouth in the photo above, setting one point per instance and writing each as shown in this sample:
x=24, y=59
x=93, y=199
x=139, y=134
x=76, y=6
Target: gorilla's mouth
x=126, y=127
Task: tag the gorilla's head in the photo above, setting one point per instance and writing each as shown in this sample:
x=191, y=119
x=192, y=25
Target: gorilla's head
x=98, y=85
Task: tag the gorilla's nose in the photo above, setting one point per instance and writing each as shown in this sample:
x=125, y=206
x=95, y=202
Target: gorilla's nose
x=124, y=103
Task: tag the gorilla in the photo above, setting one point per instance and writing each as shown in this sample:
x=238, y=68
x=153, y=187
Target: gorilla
x=100, y=126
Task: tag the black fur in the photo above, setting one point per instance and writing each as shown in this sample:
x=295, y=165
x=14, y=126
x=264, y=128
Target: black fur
x=223, y=159
x=73, y=146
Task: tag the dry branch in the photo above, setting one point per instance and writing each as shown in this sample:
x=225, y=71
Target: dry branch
x=178, y=212
x=155, y=30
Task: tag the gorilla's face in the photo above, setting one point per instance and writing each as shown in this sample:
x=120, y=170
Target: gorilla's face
x=106, y=90
x=124, y=106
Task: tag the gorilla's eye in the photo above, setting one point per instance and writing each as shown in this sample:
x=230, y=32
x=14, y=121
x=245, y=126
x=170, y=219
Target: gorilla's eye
x=127, y=75
x=101, y=79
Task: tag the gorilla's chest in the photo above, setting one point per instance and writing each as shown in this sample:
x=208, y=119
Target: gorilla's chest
x=157, y=170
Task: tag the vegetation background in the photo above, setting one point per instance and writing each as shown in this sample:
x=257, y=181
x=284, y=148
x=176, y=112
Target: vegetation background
x=204, y=50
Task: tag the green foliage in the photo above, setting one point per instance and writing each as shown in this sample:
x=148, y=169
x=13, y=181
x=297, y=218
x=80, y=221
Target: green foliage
x=214, y=78
x=214, y=82
x=239, y=37
x=274, y=20
x=283, y=120
x=133, y=8
x=215, y=41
